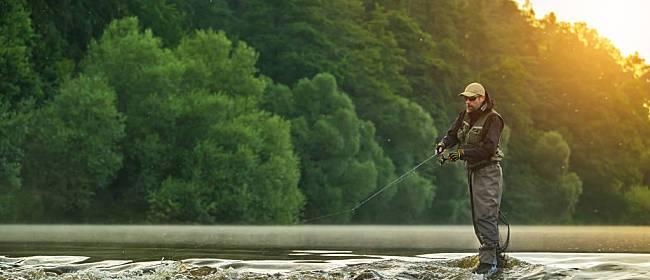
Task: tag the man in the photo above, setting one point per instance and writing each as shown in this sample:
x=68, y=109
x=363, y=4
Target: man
x=476, y=133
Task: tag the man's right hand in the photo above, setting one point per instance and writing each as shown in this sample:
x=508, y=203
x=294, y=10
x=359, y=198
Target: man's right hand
x=440, y=147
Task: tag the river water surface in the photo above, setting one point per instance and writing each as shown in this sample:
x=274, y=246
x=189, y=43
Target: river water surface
x=182, y=252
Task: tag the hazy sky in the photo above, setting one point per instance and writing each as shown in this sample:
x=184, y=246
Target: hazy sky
x=624, y=22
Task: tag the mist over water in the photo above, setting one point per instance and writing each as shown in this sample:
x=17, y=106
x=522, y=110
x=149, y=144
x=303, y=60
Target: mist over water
x=623, y=239
x=308, y=252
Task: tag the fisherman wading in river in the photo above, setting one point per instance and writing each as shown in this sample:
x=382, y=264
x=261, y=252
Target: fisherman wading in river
x=474, y=139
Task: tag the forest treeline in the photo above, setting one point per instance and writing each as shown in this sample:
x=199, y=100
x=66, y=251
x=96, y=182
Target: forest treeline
x=263, y=112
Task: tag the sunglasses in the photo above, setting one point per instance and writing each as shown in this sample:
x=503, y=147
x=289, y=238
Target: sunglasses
x=470, y=98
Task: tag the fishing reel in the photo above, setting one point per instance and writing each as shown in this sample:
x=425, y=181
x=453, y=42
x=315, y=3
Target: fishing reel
x=442, y=158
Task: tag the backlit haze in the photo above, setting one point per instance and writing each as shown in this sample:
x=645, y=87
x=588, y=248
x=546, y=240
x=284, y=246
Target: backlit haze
x=623, y=22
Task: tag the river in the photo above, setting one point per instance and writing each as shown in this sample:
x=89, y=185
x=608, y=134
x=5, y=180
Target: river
x=314, y=252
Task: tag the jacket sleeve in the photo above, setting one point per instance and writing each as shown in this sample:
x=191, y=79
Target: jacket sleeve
x=451, y=139
x=487, y=148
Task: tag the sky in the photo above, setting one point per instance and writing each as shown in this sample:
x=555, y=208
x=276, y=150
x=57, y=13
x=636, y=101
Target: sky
x=626, y=23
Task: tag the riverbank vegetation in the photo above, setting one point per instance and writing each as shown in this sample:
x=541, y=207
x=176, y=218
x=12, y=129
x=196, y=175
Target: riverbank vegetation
x=263, y=112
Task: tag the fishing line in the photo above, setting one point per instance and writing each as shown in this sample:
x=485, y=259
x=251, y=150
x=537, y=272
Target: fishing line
x=399, y=179
x=504, y=220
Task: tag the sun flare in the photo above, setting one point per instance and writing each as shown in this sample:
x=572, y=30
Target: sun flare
x=622, y=22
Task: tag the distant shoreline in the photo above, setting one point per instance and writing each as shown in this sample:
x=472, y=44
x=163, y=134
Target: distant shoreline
x=601, y=239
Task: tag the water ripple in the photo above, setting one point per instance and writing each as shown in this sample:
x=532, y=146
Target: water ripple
x=330, y=266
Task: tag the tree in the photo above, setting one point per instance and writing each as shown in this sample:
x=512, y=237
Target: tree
x=240, y=168
x=638, y=204
x=63, y=31
x=341, y=164
x=576, y=109
x=19, y=88
x=198, y=149
x=145, y=77
x=71, y=151
x=13, y=127
x=550, y=191
x=19, y=84
x=161, y=16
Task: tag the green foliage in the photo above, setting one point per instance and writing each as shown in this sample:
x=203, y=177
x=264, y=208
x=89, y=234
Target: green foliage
x=71, y=150
x=134, y=63
x=451, y=201
x=340, y=161
x=196, y=142
x=18, y=82
x=565, y=195
x=12, y=133
x=370, y=150
x=161, y=16
x=552, y=154
x=214, y=64
x=242, y=171
x=194, y=130
x=638, y=204
x=19, y=88
x=582, y=66
x=414, y=196
x=146, y=78
x=556, y=190
x=63, y=31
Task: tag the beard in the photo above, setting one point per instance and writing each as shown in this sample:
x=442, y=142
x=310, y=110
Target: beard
x=473, y=108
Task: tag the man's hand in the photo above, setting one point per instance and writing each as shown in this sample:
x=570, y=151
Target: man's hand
x=454, y=156
x=440, y=147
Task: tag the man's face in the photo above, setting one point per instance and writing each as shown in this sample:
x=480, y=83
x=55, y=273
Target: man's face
x=473, y=103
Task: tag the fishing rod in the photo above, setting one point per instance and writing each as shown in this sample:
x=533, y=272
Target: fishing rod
x=442, y=159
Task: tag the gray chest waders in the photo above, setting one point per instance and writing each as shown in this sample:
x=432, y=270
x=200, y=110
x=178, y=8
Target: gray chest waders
x=485, y=180
x=485, y=187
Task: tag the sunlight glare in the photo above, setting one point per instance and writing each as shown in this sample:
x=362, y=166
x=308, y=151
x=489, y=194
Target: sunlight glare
x=622, y=22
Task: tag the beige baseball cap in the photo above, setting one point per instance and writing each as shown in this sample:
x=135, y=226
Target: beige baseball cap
x=473, y=89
